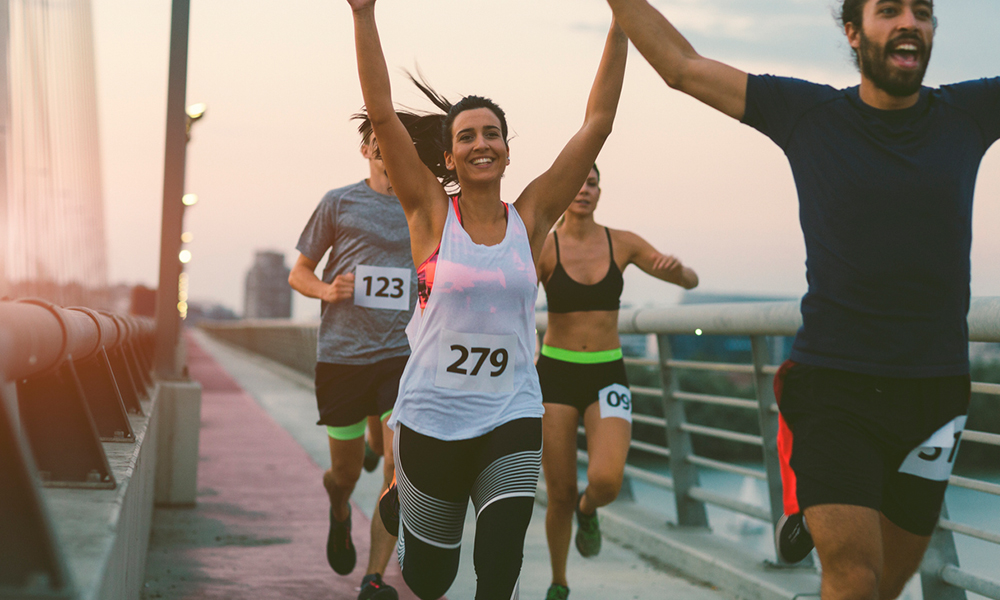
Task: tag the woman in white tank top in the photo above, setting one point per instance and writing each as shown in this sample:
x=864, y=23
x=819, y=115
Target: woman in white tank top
x=468, y=415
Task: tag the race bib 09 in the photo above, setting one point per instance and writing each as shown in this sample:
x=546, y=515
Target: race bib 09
x=935, y=458
x=615, y=401
x=385, y=288
x=476, y=362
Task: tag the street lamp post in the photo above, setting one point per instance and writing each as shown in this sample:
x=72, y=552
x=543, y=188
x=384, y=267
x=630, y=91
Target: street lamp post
x=167, y=316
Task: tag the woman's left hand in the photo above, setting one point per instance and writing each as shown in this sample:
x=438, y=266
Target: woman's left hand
x=666, y=263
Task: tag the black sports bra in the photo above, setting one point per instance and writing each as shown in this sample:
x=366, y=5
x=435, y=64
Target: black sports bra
x=566, y=295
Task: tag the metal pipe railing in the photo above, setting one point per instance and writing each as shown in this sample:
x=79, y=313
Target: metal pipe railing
x=60, y=397
x=760, y=321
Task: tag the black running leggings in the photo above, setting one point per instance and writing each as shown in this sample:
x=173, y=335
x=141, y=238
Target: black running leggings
x=436, y=478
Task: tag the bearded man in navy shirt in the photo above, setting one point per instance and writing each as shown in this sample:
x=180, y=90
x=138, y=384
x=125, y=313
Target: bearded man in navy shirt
x=874, y=398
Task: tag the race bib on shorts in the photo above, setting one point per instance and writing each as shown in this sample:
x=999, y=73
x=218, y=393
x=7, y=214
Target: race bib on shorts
x=615, y=401
x=386, y=288
x=476, y=362
x=935, y=458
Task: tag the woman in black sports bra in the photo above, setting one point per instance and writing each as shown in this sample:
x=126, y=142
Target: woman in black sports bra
x=581, y=371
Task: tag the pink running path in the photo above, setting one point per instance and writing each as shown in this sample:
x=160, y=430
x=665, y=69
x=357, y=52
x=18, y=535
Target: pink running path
x=259, y=528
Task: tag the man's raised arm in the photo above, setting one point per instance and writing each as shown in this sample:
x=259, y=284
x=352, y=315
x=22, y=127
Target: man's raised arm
x=718, y=85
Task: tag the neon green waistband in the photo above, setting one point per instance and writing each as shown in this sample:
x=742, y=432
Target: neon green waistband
x=582, y=358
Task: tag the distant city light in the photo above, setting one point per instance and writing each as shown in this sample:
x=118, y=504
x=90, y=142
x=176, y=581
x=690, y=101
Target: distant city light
x=189, y=199
x=187, y=237
x=697, y=332
x=185, y=256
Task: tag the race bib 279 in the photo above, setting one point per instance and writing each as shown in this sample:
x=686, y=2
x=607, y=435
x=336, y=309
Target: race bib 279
x=476, y=362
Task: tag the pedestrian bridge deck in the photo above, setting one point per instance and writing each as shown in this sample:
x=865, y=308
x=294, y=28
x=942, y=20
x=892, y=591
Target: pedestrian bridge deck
x=259, y=528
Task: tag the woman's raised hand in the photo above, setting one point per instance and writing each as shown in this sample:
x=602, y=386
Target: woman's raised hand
x=357, y=5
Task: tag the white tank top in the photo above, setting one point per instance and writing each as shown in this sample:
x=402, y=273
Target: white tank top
x=471, y=368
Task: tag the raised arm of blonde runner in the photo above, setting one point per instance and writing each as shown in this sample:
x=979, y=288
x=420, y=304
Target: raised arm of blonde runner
x=716, y=84
x=546, y=198
x=420, y=193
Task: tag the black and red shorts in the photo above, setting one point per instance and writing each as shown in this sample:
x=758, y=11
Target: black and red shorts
x=885, y=443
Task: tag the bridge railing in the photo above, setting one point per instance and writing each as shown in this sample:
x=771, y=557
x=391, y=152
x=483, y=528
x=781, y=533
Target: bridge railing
x=765, y=324
x=69, y=379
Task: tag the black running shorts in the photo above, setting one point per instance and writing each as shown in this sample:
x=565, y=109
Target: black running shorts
x=577, y=385
x=880, y=442
x=347, y=394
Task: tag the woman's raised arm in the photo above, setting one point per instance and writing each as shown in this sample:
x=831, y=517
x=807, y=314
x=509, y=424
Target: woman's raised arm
x=550, y=194
x=420, y=193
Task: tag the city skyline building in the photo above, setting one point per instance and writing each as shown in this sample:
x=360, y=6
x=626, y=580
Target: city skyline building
x=268, y=295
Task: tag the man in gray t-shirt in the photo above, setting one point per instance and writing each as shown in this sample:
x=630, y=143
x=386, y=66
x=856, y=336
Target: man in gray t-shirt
x=368, y=292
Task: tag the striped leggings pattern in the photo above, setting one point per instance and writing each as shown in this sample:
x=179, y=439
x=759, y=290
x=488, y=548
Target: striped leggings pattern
x=436, y=479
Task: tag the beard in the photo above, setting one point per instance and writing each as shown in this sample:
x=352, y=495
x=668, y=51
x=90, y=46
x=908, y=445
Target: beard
x=877, y=66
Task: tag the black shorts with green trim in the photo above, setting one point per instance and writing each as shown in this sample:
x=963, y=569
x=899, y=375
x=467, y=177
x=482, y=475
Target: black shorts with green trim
x=348, y=394
x=577, y=385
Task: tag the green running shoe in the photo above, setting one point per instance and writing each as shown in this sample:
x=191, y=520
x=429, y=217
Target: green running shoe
x=588, y=532
x=557, y=592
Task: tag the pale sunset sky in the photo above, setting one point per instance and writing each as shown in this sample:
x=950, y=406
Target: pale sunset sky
x=280, y=81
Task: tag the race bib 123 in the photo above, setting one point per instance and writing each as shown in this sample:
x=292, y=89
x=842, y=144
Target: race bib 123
x=387, y=288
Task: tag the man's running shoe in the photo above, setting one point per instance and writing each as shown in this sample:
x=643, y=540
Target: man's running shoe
x=388, y=508
x=588, y=531
x=791, y=538
x=371, y=459
x=340, y=551
x=373, y=588
x=557, y=592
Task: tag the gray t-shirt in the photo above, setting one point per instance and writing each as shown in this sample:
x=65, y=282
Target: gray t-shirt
x=362, y=227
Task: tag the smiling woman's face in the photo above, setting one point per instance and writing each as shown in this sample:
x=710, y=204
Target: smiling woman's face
x=478, y=151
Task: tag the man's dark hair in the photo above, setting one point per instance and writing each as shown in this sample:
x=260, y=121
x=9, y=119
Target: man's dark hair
x=852, y=11
x=598, y=171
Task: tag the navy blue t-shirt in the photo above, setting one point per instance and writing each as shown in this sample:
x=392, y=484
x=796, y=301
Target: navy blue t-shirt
x=885, y=203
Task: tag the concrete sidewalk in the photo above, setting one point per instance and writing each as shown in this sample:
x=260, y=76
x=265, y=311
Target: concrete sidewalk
x=260, y=527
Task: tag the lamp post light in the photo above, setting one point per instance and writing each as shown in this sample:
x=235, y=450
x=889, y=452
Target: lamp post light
x=194, y=112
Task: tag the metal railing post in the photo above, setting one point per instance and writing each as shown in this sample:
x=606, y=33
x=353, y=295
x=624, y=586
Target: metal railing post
x=940, y=553
x=31, y=562
x=690, y=512
x=766, y=403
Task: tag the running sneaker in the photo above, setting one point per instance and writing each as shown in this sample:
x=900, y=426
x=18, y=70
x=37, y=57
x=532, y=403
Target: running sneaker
x=373, y=588
x=557, y=592
x=791, y=538
x=340, y=551
x=588, y=532
x=388, y=508
x=371, y=459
